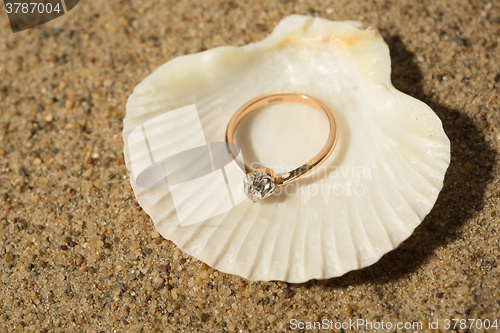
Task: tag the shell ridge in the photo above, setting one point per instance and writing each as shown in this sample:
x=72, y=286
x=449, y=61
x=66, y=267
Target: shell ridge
x=259, y=247
x=351, y=233
x=305, y=249
x=395, y=181
x=331, y=243
x=321, y=234
x=407, y=182
x=274, y=248
x=376, y=212
x=396, y=218
x=421, y=167
x=369, y=247
x=226, y=244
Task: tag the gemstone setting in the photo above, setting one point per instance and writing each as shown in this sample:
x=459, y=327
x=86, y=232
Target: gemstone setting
x=259, y=185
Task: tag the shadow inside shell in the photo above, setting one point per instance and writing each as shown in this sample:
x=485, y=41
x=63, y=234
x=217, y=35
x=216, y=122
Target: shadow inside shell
x=462, y=194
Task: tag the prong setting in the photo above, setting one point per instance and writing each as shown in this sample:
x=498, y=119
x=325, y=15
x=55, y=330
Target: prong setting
x=259, y=184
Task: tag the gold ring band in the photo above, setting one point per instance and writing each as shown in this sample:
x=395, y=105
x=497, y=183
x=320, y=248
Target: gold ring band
x=274, y=98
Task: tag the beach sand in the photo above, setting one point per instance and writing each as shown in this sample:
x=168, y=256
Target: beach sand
x=77, y=253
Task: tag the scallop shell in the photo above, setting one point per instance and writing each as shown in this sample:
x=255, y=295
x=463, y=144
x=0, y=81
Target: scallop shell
x=382, y=179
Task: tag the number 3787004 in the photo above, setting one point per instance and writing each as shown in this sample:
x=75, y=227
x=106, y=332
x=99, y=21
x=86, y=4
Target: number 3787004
x=32, y=7
x=470, y=324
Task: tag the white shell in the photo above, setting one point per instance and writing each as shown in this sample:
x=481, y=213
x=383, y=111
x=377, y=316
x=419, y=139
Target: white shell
x=383, y=177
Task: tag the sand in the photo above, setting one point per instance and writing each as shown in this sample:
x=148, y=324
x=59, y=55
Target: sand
x=77, y=253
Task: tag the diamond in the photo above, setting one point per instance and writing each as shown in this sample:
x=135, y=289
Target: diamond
x=258, y=185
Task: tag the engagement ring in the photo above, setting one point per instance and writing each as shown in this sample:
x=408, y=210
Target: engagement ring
x=261, y=182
